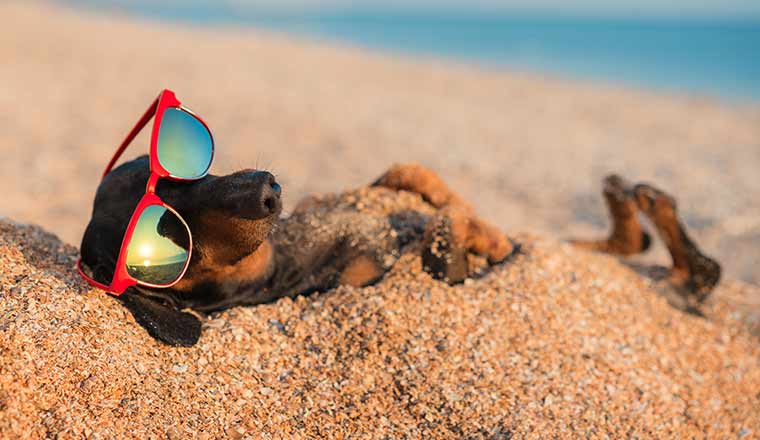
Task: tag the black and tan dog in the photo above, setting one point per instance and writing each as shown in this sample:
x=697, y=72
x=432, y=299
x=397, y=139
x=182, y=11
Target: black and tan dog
x=245, y=254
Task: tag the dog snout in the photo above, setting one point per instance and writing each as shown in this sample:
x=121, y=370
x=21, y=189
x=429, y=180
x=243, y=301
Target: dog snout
x=248, y=194
x=270, y=194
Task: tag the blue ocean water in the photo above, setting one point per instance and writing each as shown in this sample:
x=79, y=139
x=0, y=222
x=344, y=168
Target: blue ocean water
x=719, y=57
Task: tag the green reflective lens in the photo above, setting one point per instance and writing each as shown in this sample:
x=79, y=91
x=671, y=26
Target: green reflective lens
x=185, y=147
x=159, y=247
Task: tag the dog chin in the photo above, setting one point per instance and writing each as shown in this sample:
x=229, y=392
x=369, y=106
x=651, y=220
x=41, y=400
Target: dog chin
x=260, y=228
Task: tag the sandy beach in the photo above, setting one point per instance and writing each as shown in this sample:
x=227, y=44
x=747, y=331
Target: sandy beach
x=559, y=343
x=528, y=151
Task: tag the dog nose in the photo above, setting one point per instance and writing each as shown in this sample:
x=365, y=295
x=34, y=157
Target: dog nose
x=270, y=193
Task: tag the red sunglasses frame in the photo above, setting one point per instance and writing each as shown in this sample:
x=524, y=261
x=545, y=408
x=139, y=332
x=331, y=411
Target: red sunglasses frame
x=121, y=278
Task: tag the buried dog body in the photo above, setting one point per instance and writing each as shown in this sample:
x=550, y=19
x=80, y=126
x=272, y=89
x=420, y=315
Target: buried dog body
x=244, y=254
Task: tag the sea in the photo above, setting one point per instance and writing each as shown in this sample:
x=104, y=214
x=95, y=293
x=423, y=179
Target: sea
x=714, y=57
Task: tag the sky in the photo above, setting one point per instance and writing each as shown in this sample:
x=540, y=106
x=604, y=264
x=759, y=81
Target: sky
x=687, y=8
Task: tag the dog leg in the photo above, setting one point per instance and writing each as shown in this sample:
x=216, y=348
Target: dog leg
x=692, y=271
x=627, y=237
x=450, y=234
x=423, y=181
x=454, y=230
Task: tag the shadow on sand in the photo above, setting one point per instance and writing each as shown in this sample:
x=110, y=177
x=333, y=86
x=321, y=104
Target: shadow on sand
x=676, y=297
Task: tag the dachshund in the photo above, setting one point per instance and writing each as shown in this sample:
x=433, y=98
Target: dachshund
x=245, y=254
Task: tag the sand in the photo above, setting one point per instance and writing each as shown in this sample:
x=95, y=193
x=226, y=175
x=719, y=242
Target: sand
x=558, y=343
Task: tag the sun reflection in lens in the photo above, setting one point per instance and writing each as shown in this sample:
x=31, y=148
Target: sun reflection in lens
x=146, y=251
x=152, y=255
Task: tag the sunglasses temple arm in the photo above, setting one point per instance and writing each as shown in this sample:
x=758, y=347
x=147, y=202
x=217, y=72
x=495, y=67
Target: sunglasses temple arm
x=132, y=134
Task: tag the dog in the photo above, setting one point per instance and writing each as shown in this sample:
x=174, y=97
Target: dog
x=245, y=254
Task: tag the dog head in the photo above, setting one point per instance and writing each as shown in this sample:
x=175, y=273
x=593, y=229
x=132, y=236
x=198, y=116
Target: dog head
x=229, y=218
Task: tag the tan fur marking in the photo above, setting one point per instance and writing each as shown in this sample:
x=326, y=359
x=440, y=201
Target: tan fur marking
x=477, y=235
x=361, y=272
x=256, y=266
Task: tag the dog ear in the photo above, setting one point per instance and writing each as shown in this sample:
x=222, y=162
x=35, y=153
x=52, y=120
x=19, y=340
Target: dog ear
x=164, y=323
x=100, y=248
x=170, y=227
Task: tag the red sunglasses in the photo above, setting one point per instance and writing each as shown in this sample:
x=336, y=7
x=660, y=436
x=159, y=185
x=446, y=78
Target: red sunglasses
x=157, y=244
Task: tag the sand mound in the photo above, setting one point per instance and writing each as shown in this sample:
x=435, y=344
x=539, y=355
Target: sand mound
x=558, y=342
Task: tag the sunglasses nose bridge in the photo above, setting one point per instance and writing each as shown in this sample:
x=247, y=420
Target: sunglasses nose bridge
x=150, y=187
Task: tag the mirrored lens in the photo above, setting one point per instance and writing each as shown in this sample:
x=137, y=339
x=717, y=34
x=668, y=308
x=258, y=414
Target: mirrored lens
x=159, y=247
x=184, y=144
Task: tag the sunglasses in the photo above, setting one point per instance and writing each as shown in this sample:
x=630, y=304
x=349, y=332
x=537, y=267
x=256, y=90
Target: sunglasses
x=157, y=244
